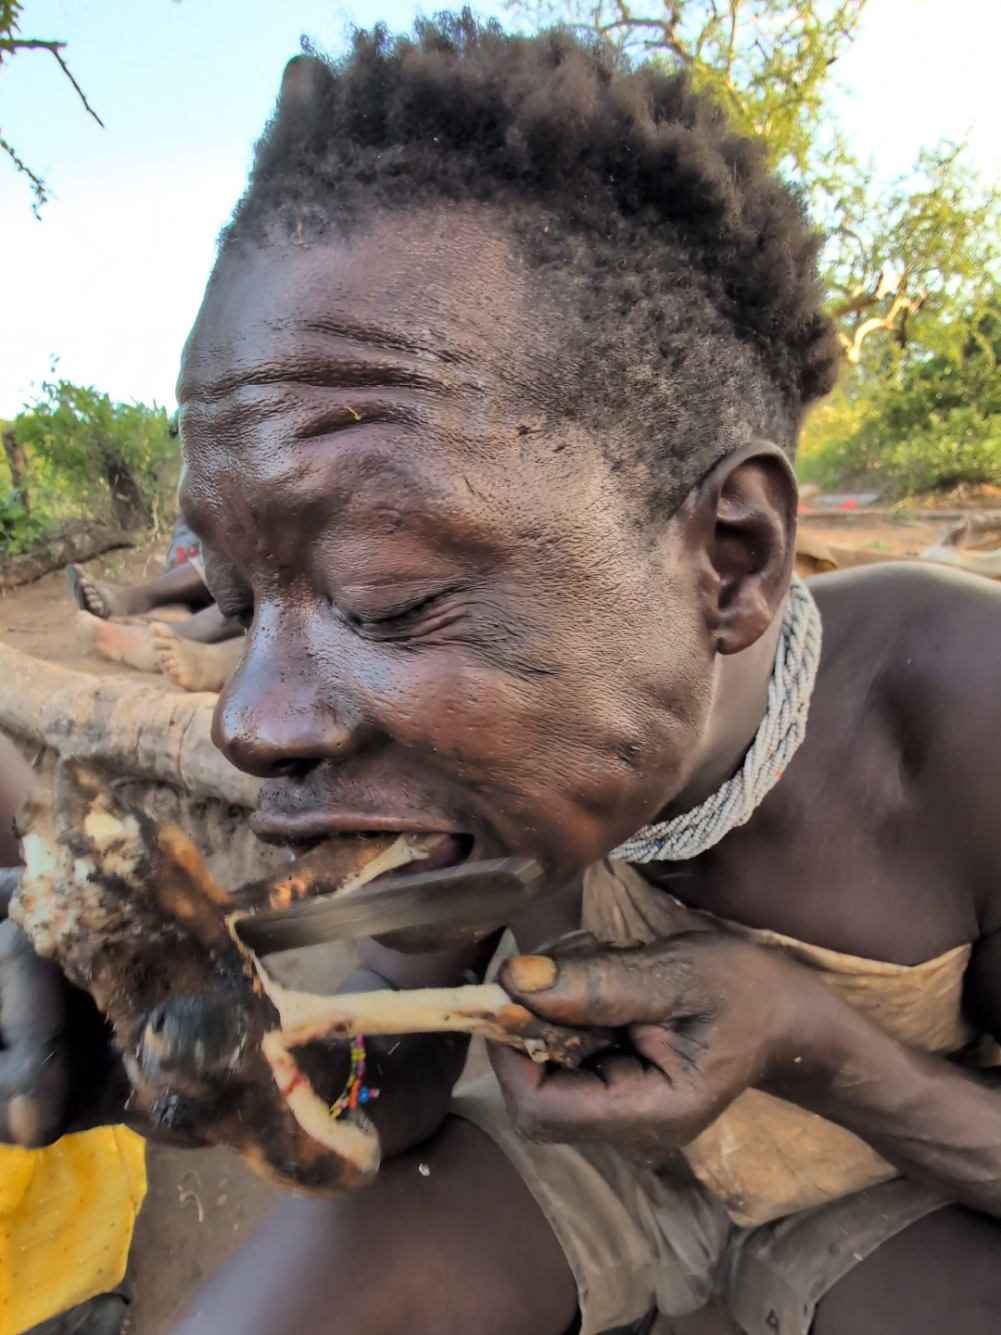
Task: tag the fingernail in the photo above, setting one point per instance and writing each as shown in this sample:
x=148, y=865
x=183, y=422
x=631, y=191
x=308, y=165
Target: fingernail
x=532, y=973
x=24, y=1121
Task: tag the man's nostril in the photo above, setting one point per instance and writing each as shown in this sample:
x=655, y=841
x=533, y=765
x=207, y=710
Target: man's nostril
x=295, y=769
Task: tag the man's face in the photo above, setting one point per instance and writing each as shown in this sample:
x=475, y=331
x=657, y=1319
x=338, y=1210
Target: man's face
x=455, y=621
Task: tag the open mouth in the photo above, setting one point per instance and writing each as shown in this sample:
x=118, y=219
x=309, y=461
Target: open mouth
x=344, y=863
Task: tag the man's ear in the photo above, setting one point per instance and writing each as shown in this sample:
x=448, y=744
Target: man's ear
x=742, y=524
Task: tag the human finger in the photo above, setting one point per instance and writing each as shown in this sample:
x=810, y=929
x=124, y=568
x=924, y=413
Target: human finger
x=33, y=1068
x=621, y=1098
x=613, y=988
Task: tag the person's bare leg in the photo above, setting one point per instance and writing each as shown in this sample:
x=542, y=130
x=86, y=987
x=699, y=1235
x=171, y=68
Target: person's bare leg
x=458, y=1247
x=131, y=645
x=192, y=666
x=209, y=627
x=183, y=584
x=941, y=1275
x=168, y=612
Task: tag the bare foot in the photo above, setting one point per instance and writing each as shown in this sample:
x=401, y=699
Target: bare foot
x=100, y=599
x=195, y=667
x=131, y=645
x=172, y=612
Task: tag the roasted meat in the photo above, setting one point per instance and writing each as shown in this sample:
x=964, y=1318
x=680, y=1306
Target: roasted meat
x=211, y=1043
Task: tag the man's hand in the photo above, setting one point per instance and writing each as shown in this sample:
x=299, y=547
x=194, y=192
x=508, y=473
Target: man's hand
x=703, y=1017
x=57, y=1069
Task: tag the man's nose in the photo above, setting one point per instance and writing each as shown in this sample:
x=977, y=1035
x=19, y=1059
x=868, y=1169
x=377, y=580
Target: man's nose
x=273, y=723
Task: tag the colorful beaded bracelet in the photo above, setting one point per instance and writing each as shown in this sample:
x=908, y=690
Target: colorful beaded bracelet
x=356, y=1092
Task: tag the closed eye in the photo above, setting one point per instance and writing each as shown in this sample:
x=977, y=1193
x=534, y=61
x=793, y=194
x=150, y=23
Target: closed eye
x=411, y=621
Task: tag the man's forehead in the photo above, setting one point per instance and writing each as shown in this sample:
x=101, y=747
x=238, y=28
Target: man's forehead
x=381, y=489
x=442, y=287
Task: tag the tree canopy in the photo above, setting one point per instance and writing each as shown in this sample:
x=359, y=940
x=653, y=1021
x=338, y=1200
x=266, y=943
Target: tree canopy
x=76, y=453
x=912, y=266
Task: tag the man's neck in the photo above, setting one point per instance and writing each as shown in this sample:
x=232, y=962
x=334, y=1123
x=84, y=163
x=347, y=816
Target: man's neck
x=740, y=698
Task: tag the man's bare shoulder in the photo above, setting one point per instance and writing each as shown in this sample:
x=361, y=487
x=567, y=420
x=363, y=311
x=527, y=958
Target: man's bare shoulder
x=914, y=653
x=916, y=623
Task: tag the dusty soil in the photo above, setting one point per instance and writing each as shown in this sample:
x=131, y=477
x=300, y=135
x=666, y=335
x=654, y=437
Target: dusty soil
x=202, y=1204
x=38, y=618
x=854, y=536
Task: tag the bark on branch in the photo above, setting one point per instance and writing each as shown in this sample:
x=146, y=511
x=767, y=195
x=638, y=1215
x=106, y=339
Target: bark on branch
x=17, y=462
x=129, y=728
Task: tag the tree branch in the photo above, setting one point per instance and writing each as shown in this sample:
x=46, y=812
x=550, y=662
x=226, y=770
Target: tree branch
x=732, y=43
x=55, y=49
x=667, y=27
x=38, y=185
x=853, y=346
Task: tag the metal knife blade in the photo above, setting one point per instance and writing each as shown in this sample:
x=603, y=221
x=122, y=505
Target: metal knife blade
x=465, y=896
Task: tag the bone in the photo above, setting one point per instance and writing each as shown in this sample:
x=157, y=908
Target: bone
x=484, y=1010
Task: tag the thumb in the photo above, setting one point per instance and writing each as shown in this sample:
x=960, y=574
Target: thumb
x=615, y=988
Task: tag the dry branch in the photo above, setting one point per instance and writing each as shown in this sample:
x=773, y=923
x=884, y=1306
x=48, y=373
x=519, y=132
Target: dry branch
x=853, y=346
x=55, y=49
x=127, y=727
x=78, y=542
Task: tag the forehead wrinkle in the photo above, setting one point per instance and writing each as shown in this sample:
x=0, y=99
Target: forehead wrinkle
x=352, y=331
x=330, y=474
x=320, y=348
x=313, y=369
x=300, y=412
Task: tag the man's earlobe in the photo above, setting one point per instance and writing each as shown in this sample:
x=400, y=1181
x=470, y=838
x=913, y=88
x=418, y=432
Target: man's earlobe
x=746, y=521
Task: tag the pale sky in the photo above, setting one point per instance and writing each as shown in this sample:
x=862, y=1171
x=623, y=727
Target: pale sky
x=110, y=280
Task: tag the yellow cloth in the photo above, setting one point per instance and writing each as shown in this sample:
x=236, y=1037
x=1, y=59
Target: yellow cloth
x=66, y=1219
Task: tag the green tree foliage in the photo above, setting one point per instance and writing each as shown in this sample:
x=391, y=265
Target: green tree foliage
x=768, y=63
x=20, y=528
x=911, y=267
x=86, y=456
x=914, y=277
x=12, y=42
x=907, y=260
x=935, y=424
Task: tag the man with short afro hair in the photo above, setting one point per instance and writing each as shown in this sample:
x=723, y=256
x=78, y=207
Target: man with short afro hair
x=489, y=415
x=672, y=232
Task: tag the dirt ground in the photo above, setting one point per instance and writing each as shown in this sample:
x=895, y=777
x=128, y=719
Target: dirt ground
x=854, y=534
x=39, y=618
x=202, y=1204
